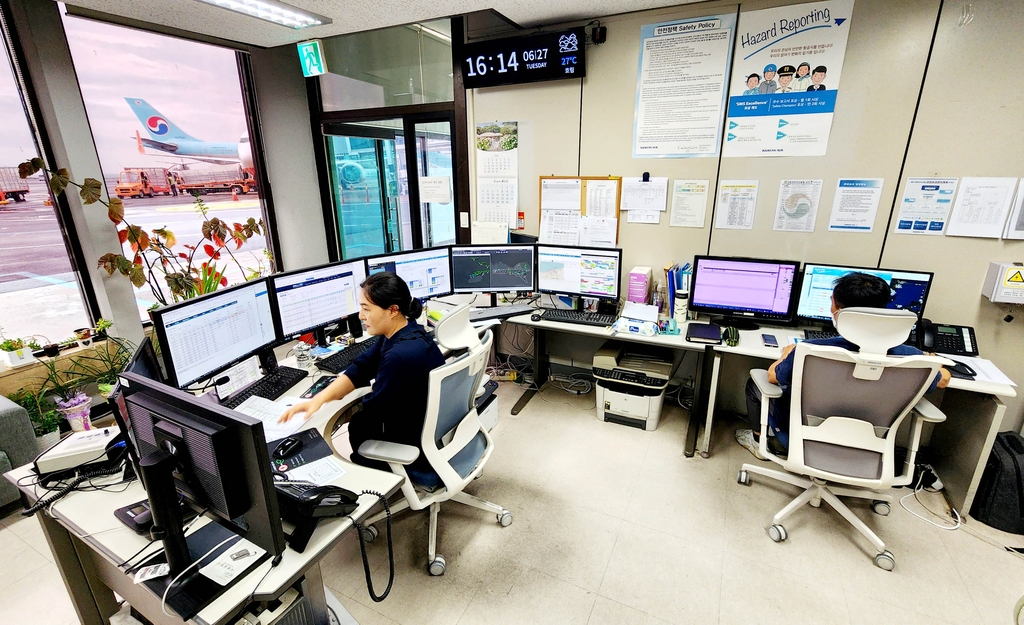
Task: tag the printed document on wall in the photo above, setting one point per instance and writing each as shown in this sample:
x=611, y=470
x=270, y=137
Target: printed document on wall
x=856, y=204
x=650, y=195
x=981, y=207
x=797, y=207
x=736, y=202
x=497, y=172
x=689, y=203
x=598, y=231
x=788, y=65
x=602, y=196
x=1015, y=224
x=925, y=205
x=560, y=194
x=644, y=216
x=560, y=227
x=680, y=87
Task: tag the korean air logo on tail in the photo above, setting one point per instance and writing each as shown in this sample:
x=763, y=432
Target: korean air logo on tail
x=157, y=125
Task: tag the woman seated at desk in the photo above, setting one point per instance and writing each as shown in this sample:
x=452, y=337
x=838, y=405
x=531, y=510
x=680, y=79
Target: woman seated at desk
x=399, y=365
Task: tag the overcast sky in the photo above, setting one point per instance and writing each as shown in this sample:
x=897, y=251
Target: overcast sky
x=192, y=84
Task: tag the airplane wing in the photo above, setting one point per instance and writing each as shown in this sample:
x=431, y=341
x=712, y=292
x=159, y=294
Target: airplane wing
x=159, y=145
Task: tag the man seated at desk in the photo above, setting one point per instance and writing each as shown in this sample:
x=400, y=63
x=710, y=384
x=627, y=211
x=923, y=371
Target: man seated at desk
x=399, y=366
x=851, y=290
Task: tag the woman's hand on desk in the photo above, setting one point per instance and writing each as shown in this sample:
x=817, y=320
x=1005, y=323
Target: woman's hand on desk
x=337, y=389
x=309, y=407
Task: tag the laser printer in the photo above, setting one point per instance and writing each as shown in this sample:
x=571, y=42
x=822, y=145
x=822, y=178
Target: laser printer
x=631, y=382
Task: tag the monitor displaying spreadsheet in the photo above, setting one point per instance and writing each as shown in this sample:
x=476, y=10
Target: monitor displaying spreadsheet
x=492, y=268
x=201, y=336
x=583, y=271
x=312, y=298
x=427, y=272
x=909, y=289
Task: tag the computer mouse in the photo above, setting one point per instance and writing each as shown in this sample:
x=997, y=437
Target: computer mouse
x=287, y=447
x=534, y=317
x=962, y=371
x=731, y=336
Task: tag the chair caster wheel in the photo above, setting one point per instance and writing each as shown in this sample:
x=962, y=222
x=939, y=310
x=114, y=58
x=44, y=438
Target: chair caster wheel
x=881, y=508
x=505, y=518
x=436, y=567
x=885, y=561
x=743, y=478
x=369, y=534
x=777, y=533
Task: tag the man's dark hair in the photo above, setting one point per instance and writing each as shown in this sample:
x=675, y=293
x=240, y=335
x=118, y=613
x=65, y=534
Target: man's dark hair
x=861, y=289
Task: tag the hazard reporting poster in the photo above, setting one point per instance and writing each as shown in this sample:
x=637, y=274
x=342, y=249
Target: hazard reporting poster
x=786, y=71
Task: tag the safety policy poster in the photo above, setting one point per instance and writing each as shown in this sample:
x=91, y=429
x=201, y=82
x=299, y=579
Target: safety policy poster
x=681, y=86
x=785, y=79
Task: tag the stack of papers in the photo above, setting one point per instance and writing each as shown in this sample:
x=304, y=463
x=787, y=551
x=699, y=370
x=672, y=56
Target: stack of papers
x=269, y=412
x=985, y=370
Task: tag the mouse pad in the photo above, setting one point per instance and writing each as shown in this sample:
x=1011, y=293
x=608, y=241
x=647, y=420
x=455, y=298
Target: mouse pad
x=313, y=448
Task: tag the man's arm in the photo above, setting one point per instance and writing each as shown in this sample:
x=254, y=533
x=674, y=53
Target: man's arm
x=771, y=369
x=337, y=389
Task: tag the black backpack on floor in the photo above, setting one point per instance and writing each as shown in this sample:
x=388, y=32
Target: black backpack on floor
x=1000, y=499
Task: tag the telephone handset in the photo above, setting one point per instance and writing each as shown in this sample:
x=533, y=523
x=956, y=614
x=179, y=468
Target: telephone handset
x=944, y=339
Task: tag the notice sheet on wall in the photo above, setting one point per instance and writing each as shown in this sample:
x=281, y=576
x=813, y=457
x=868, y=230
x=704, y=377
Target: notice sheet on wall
x=925, y=205
x=797, y=207
x=560, y=227
x=736, y=202
x=560, y=194
x=1015, y=224
x=497, y=172
x=602, y=196
x=644, y=216
x=598, y=231
x=855, y=204
x=689, y=202
x=783, y=89
x=680, y=91
x=981, y=207
x=640, y=195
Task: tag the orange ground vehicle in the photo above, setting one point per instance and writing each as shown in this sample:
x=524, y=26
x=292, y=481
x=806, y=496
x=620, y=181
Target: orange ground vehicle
x=142, y=182
x=13, y=187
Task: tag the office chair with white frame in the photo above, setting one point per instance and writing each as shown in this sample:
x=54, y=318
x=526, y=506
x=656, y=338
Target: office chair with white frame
x=845, y=411
x=454, y=442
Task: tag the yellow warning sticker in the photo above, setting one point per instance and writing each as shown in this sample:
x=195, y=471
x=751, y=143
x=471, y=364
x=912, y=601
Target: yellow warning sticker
x=1014, y=277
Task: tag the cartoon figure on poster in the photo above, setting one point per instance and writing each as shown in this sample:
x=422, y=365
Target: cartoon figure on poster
x=790, y=51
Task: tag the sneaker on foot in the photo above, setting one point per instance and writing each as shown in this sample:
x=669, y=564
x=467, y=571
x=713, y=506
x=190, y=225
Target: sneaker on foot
x=745, y=437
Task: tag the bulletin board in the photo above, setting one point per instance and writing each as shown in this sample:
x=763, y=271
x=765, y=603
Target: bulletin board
x=589, y=200
x=583, y=190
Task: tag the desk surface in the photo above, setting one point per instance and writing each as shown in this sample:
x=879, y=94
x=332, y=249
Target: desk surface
x=750, y=345
x=90, y=516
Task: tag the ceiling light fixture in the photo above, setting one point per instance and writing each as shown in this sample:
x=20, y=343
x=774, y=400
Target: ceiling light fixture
x=271, y=11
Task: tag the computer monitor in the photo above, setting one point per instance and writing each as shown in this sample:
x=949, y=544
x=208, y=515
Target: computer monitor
x=744, y=290
x=583, y=271
x=492, y=268
x=909, y=289
x=144, y=362
x=310, y=299
x=427, y=272
x=217, y=459
x=202, y=336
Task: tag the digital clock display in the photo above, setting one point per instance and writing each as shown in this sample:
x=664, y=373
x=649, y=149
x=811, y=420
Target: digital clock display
x=514, y=60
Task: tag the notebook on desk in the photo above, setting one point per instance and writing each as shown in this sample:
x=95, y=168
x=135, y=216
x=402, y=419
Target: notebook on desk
x=708, y=333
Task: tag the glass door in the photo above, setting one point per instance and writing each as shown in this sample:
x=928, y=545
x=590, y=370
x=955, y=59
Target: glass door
x=369, y=187
x=437, y=182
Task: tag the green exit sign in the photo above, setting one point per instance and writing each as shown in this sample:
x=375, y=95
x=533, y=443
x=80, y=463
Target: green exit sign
x=311, y=54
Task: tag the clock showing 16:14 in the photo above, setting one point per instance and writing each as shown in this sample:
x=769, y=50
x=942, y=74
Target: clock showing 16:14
x=513, y=60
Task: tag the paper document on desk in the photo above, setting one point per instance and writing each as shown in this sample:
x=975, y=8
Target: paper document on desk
x=985, y=369
x=232, y=562
x=321, y=472
x=269, y=412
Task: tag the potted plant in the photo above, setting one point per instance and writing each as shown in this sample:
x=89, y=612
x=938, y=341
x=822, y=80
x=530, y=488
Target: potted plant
x=45, y=419
x=67, y=387
x=100, y=331
x=15, y=352
x=84, y=336
x=105, y=363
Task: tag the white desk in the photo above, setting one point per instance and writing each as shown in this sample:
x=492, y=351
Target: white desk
x=974, y=411
x=88, y=543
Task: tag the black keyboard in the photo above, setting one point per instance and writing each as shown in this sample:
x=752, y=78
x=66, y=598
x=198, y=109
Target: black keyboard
x=269, y=386
x=337, y=363
x=499, y=312
x=820, y=334
x=578, y=316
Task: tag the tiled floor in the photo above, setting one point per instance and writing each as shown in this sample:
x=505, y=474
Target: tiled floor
x=613, y=526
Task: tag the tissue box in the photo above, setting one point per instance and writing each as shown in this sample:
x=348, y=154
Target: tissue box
x=641, y=280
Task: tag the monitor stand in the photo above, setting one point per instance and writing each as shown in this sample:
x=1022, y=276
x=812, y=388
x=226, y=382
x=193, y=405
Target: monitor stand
x=268, y=360
x=321, y=337
x=740, y=323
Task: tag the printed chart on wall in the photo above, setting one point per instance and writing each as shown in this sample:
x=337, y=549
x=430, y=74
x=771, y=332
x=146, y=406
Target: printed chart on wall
x=580, y=210
x=788, y=64
x=855, y=204
x=797, y=208
x=497, y=172
x=925, y=206
x=680, y=91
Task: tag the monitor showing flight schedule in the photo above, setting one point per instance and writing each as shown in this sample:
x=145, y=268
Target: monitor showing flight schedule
x=492, y=268
x=427, y=272
x=583, y=271
x=312, y=298
x=909, y=289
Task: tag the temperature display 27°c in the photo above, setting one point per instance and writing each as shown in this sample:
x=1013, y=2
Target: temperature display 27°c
x=514, y=60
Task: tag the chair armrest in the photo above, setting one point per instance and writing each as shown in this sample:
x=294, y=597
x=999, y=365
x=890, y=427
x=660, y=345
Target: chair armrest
x=389, y=452
x=929, y=412
x=769, y=390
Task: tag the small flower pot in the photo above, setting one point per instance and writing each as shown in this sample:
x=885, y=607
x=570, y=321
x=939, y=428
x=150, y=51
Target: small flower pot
x=84, y=336
x=18, y=357
x=51, y=350
x=76, y=411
